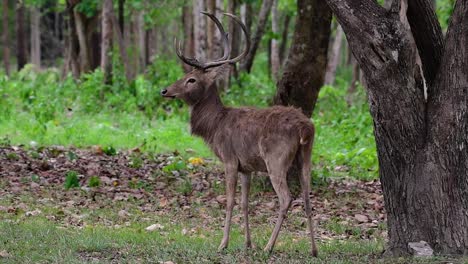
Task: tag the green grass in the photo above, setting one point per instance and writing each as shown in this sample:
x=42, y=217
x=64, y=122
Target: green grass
x=39, y=241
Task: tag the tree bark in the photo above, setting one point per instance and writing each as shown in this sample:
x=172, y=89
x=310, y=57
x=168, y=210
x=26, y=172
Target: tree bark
x=304, y=72
x=21, y=47
x=6, y=38
x=334, y=57
x=247, y=63
x=275, y=49
x=141, y=39
x=35, y=19
x=421, y=143
x=106, y=48
x=84, y=54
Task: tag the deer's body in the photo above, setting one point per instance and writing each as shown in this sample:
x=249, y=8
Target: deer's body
x=246, y=135
x=247, y=139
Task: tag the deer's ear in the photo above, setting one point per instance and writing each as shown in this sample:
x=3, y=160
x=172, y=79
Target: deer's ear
x=216, y=73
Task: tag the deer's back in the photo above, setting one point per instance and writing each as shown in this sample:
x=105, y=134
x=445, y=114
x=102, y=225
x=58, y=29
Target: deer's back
x=244, y=132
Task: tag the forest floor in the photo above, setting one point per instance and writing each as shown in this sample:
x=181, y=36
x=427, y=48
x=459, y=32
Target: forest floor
x=66, y=205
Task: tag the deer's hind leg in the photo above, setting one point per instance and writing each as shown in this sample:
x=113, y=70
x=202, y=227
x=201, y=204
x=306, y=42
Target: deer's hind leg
x=245, y=188
x=305, y=184
x=278, y=159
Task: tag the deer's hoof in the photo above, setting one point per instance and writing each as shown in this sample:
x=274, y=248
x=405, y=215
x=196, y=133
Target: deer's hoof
x=268, y=249
x=222, y=247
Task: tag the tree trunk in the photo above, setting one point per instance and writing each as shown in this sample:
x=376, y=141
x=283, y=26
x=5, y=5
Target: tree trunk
x=187, y=21
x=21, y=47
x=141, y=39
x=35, y=19
x=106, y=48
x=421, y=142
x=6, y=38
x=257, y=37
x=122, y=17
x=120, y=41
x=275, y=49
x=304, y=72
x=334, y=57
x=73, y=49
x=199, y=30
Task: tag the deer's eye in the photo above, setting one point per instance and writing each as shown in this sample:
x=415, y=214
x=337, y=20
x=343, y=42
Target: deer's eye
x=191, y=80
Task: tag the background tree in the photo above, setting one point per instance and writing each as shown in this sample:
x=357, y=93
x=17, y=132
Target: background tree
x=257, y=36
x=106, y=56
x=6, y=37
x=35, y=21
x=421, y=140
x=21, y=44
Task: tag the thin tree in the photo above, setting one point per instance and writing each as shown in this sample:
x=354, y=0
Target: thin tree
x=275, y=47
x=187, y=21
x=199, y=29
x=35, y=19
x=334, y=56
x=257, y=37
x=421, y=137
x=21, y=44
x=6, y=38
x=106, y=42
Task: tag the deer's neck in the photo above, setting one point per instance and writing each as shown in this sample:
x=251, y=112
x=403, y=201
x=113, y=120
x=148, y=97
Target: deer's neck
x=206, y=116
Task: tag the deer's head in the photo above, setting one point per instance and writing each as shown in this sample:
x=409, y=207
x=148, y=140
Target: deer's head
x=199, y=83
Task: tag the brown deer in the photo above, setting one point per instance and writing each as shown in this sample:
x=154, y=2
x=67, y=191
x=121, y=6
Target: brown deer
x=246, y=139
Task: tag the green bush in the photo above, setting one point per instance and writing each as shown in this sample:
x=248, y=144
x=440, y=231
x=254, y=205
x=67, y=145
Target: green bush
x=71, y=180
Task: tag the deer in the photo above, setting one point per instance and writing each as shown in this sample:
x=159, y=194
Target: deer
x=246, y=139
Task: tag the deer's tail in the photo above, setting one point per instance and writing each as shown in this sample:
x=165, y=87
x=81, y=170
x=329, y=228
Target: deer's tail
x=306, y=133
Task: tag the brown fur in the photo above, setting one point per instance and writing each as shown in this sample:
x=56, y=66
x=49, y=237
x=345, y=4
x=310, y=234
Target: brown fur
x=247, y=140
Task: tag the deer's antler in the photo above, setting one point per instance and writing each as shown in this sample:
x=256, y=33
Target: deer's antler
x=226, y=47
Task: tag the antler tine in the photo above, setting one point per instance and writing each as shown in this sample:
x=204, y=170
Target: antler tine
x=190, y=61
x=247, y=38
x=243, y=54
x=224, y=36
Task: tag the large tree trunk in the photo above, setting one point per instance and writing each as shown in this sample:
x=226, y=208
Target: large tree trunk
x=85, y=52
x=257, y=37
x=35, y=19
x=421, y=142
x=6, y=38
x=334, y=56
x=275, y=49
x=121, y=8
x=106, y=48
x=21, y=45
x=304, y=71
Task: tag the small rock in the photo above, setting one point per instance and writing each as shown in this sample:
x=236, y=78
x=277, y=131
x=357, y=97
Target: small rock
x=221, y=199
x=33, y=213
x=361, y=218
x=154, y=227
x=123, y=213
x=4, y=254
x=421, y=249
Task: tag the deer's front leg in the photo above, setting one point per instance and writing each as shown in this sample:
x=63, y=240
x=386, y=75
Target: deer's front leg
x=245, y=187
x=231, y=182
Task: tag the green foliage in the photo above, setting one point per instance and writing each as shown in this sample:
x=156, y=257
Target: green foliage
x=109, y=151
x=444, y=12
x=94, y=181
x=40, y=107
x=71, y=180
